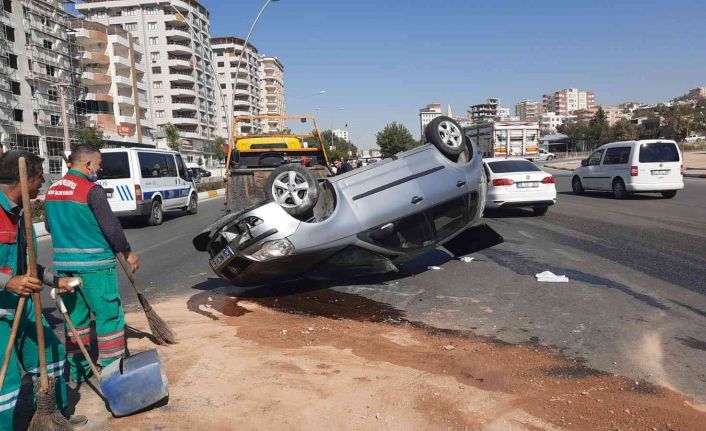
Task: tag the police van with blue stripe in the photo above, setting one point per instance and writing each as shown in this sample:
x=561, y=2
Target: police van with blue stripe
x=146, y=182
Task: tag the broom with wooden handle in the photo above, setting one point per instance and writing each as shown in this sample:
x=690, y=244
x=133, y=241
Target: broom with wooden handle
x=162, y=333
x=46, y=417
x=11, y=341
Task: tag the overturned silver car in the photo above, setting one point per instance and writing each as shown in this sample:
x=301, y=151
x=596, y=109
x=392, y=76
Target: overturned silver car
x=363, y=222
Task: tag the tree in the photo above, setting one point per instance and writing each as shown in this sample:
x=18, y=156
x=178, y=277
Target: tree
x=599, y=129
x=90, y=136
x=342, y=147
x=395, y=138
x=219, y=148
x=624, y=130
x=171, y=132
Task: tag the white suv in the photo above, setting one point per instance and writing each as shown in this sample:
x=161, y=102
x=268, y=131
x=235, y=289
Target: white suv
x=653, y=165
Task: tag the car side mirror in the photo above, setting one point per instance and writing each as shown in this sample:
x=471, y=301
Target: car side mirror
x=584, y=162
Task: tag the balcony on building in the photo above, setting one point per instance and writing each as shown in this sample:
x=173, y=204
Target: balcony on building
x=98, y=97
x=183, y=90
x=179, y=47
x=177, y=33
x=125, y=119
x=182, y=6
x=96, y=77
x=184, y=119
x=123, y=81
x=178, y=76
x=180, y=62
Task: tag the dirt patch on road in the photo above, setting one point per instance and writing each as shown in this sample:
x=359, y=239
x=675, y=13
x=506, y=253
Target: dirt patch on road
x=244, y=364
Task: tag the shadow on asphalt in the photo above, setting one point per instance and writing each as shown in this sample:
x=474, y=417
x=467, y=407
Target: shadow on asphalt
x=493, y=213
x=141, y=223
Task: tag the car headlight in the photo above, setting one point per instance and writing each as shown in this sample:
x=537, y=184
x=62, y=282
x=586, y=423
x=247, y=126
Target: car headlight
x=273, y=250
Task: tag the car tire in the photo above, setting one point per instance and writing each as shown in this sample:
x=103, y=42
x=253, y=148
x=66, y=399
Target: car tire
x=294, y=188
x=156, y=214
x=550, y=158
x=577, y=186
x=447, y=136
x=540, y=211
x=669, y=194
x=619, y=190
x=193, y=206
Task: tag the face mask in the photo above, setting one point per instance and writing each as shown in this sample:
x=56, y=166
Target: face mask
x=92, y=177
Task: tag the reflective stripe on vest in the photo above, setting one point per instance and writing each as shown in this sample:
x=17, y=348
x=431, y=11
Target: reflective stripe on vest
x=79, y=250
x=85, y=264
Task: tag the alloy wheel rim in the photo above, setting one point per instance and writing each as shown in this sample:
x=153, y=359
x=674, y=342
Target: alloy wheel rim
x=290, y=189
x=450, y=134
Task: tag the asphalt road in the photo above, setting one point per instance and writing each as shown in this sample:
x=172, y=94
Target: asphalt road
x=635, y=303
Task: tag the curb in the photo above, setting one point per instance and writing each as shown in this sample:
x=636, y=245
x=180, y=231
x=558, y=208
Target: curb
x=558, y=168
x=688, y=175
x=212, y=194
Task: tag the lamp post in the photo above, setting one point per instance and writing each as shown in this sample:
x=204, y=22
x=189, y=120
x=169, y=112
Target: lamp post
x=240, y=58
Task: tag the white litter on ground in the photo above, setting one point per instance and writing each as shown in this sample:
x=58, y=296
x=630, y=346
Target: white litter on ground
x=435, y=268
x=466, y=259
x=550, y=277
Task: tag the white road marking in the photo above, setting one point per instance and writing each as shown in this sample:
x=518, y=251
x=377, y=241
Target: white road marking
x=523, y=233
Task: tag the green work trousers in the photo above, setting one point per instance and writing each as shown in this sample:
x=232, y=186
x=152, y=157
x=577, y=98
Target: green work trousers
x=99, y=295
x=25, y=356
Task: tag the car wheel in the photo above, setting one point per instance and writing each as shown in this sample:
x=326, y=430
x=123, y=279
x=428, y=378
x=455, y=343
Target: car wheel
x=446, y=135
x=549, y=158
x=156, y=214
x=669, y=194
x=193, y=207
x=294, y=188
x=619, y=191
x=577, y=186
x=540, y=211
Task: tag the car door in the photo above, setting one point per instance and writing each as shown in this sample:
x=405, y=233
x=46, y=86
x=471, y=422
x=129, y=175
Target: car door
x=593, y=171
x=154, y=174
x=615, y=164
x=184, y=178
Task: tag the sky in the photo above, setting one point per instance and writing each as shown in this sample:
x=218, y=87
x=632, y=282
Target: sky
x=367, y=63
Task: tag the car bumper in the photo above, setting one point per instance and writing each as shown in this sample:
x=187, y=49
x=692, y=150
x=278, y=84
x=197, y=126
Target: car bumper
x=520, y=200
x=660, y=187
x=143, y=209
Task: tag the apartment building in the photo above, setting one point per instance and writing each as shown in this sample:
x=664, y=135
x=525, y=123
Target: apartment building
x=240, y=95
x=528, y=110
x=615, y=114
x=584, y=116
x=113, y=69
x=36, y=64
x=181, y=84
x=568, y=100
x=272, y=85
x=551, y=121
x=427, y=114
x=484, y=111
x=341, y=134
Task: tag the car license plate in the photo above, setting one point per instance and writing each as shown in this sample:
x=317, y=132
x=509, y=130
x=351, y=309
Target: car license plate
x=528, y=184
x=221, y=257
x=660, y=172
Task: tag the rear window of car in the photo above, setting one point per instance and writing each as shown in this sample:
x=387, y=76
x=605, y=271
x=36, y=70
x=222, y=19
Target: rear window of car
x=115, y=166
x=617, y=156
x=267, y=146
x=505, y=166
x=659, y=152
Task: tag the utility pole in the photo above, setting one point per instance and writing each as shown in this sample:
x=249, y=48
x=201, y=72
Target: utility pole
x=64, y=118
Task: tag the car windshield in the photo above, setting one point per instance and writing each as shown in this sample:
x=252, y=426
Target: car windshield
x=506, y=166
x=114, y=166
x=659, y=152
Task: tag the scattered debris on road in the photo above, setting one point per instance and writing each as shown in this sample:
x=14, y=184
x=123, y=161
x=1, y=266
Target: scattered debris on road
x=550, y=277
x=434, y=268
x=466, y=259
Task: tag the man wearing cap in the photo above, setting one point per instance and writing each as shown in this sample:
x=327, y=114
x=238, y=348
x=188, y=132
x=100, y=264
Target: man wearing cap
x=15, y=283
x=86, y=235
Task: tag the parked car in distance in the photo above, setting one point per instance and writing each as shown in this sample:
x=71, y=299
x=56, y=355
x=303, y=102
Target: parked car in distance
x=518, y=183
x=646, y=166
x=144, y=183
x=545, y=155
x=197, y=172
x=359, y=223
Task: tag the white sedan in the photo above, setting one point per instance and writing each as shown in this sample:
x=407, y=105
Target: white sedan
x=518, y=183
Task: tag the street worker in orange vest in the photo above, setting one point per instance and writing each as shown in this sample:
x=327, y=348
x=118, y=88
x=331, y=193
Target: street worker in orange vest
x=86, y=235
x=15, y=283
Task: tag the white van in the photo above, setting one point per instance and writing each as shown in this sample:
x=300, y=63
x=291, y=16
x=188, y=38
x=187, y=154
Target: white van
x=653, y=165
x=146, y=182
